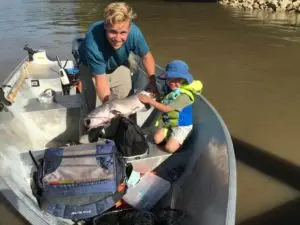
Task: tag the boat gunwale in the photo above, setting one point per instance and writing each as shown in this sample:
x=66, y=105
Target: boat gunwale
x=232, y=190
x=9, y=84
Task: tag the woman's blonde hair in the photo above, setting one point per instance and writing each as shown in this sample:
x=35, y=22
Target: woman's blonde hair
x=118, y=12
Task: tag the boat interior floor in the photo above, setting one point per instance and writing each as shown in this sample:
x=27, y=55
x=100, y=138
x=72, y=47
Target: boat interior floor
x=69, y=110
x=167, y=165
x=58, y=121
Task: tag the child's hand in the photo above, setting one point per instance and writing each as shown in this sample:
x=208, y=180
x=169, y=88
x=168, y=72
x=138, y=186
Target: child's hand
x=144, y=98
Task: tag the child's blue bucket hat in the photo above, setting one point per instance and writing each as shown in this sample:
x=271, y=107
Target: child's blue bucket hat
x=178, y=69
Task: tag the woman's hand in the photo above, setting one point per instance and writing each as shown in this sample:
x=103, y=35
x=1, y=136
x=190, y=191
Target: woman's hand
x=152, y=89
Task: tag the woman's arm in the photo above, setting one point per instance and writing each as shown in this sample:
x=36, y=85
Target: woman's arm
x=149, y=64
x=102, y=87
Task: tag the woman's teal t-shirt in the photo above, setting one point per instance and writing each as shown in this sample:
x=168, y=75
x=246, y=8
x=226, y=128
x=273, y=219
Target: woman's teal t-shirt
x=97, y=53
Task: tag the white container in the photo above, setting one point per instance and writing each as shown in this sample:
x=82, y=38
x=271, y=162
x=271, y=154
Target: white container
x=63, y=77
x=134, y=178
x=147, y=192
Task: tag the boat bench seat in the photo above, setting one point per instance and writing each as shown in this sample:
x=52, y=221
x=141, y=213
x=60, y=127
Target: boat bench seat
x=58, y=120
x=38, y=78
x=159, y=160
x=157, y=157
x=43, y=77
x=39, y=85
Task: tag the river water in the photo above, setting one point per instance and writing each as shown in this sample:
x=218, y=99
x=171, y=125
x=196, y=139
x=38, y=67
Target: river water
x=247, y=61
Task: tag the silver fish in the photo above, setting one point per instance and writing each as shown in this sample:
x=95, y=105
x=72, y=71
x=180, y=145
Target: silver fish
x=102, y=115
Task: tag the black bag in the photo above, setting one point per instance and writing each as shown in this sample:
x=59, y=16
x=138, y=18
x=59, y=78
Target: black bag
x=130, y=140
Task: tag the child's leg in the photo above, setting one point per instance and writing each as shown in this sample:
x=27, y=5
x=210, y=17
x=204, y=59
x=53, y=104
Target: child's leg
x=172, y=145
x=178, y=136
x=159, y=135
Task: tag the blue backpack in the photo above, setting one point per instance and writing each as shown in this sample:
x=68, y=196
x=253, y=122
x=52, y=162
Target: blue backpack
x=80, y=181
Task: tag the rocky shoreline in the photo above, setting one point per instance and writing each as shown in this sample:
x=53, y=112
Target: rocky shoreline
x=270, y=5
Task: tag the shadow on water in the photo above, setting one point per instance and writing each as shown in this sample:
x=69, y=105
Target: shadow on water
x=267, y=163
x=277, y=168
x=287, y=213
x=11, y=216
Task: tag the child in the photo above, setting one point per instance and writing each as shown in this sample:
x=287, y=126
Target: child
x=176, y=122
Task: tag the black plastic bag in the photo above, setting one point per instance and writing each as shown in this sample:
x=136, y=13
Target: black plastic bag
x=130, y=139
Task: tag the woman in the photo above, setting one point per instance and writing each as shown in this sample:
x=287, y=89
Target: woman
x=105, y=52
x=105, y=56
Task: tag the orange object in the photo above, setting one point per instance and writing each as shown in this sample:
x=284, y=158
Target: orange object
x=13, y=93
x=119, y=203
x=121, y=187
x=152, y=172
x=79, y=86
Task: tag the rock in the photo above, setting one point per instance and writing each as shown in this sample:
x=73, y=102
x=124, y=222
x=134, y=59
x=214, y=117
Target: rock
x=296, y=4
x=270, y=5
x=271, y=9
x=289, y=7
x=283, y=3
x=255, y=5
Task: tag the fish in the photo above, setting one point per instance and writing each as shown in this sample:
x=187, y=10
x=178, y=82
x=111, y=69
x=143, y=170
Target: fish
x=103, y=114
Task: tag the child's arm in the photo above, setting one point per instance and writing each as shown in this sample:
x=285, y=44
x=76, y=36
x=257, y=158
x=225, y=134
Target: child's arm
x=158, y=105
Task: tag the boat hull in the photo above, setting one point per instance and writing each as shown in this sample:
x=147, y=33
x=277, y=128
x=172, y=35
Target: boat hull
x=206, y=189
